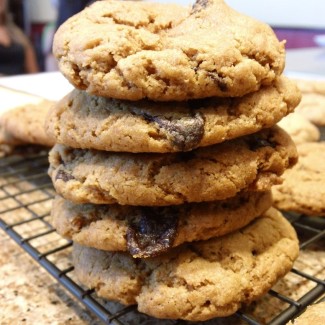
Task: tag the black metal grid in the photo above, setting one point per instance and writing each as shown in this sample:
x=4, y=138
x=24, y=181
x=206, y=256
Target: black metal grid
x=26, y=195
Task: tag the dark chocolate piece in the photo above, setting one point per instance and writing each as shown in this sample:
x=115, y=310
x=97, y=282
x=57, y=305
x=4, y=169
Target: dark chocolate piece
x=185, y=132
x=218, y=80
x=153, y=232
x=199, y=5
x=256, y=143
x=61, y=174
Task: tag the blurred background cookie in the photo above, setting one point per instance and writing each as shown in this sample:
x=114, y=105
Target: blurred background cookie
x=26, y=123
x=313, y=315
x=303, y=189
x=300, y=128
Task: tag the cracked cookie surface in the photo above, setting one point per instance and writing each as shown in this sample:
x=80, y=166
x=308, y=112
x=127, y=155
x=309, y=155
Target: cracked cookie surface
x=196, y=281
x=135, y=50
x=303, y=188
x=83, y=121
x=254, y=162
x=109, y=227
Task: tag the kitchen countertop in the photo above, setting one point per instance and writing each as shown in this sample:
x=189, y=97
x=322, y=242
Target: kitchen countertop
x=29, y=295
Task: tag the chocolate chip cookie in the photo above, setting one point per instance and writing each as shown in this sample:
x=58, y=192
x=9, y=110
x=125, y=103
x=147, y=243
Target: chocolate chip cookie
x=25, y=124
x=150, y=231
x=83, y=121
x=254, y=162
x=314, y=314
x=312, y=106
x=134, y=50
x=199, y=280
x=300, y=128
x=303, y=188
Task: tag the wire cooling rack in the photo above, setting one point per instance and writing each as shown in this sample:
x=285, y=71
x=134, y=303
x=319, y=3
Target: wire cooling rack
x=26, y=194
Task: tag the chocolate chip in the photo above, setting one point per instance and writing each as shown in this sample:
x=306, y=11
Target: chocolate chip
x=199, y=5
x=61, y=174
x=219, y=81
x=185, y=132
x=256, y=143
x=153, y=232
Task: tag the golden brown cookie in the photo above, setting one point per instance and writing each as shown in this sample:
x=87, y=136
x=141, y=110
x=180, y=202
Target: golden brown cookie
x=311, y=86
x=312, y=107
x=300, y=128
x=313, y=315
x=254, y=162
x=196, y=281
x=7, y=142
x=150, y=231
x=134, y=50
x=25, y=123
x=83, y=121
x=303, y=188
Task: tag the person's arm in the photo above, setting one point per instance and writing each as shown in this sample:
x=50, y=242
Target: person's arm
x=31, y=65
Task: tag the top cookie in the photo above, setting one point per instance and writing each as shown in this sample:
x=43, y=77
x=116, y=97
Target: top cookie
x=135, y=50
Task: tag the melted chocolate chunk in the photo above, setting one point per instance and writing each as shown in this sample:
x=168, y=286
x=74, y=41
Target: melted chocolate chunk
x=256, y=143
x=218, y=80
x=61, y=174
x=185, y=132
x=153, y=232
x=199, y=5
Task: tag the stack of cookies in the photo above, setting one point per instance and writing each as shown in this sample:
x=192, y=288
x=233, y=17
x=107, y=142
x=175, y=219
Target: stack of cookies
x=166, y=153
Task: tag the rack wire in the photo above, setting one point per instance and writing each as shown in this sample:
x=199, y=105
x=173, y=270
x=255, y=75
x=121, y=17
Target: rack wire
x=26, y=194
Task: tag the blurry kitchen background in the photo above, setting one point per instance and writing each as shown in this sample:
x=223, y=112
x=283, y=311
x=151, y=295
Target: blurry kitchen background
x=301, y=23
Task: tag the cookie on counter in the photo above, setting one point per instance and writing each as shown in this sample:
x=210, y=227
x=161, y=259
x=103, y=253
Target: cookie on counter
x=83, y=121
x=254, y=162
x=311, y=86
x=303, y=188
x=314, y=315
x=7, y=142
x=312, y=107
x=199, y=280
x=150, y=231
x=300, y=128
x=25, y=124
x=134, y=50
